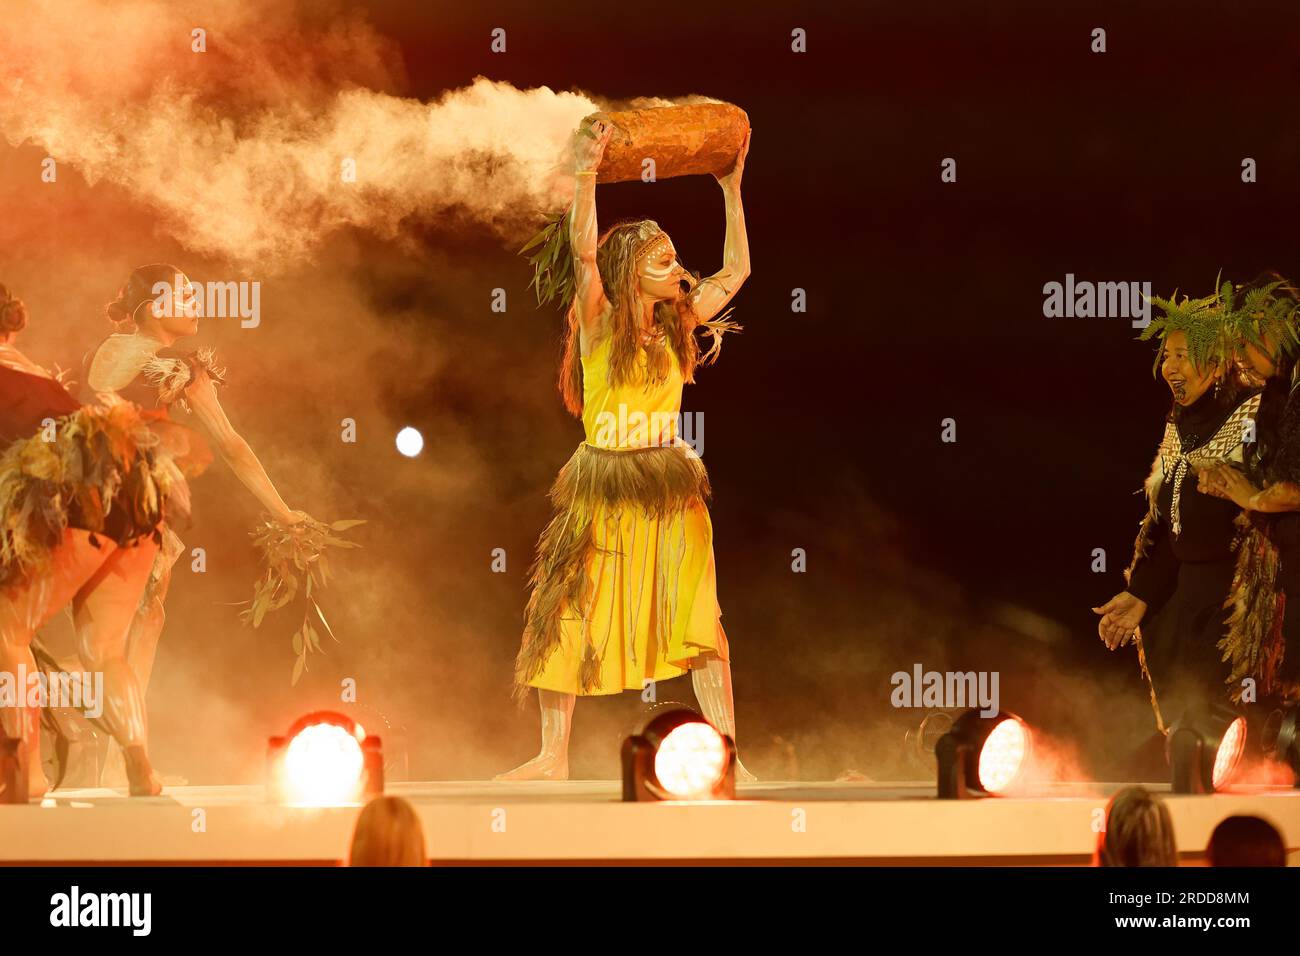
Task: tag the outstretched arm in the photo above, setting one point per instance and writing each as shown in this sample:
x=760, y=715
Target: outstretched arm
x=589, y=294
x=715, y=291
x=202, y=398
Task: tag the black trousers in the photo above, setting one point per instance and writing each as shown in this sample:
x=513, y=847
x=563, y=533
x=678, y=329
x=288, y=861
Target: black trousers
x=1181, y=641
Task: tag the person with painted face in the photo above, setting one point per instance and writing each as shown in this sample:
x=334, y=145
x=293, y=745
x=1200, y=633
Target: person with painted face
x=141, y=361
x=1172, y=609
x=156, y=308
x=624, y=586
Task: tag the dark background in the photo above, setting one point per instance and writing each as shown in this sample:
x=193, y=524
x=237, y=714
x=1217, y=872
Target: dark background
x=925, y=302
x=822, y=429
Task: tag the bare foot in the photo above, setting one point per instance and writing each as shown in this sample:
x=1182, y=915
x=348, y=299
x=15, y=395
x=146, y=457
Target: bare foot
x=37, y=784
x=144, y=782
x=541, y=767
x=113, y=775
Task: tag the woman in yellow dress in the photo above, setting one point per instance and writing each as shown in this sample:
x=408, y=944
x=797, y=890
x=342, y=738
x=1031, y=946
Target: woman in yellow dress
x=624, y=589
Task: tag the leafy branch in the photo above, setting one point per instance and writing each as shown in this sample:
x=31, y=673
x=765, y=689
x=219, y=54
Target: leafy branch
x=294, y=559
x=553, y=262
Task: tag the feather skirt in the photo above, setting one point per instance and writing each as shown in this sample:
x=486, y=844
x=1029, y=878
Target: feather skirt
x=94, y=469
x=1254, y=644
x=624, y=584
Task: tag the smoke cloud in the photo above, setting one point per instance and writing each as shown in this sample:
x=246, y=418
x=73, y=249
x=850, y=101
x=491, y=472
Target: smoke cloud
x=229, y=164
x=283, y=130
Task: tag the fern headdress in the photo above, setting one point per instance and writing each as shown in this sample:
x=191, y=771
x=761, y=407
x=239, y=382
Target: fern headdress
x=1260, y=316
x=1219, y=325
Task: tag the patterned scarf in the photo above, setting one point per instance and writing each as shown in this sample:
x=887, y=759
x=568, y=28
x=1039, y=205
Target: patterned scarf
x=1172, y=460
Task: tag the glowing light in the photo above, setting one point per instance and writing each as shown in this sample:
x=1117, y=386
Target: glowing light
x=322, y=766
x=1003, y=755
x=410, y=442
x=1229, y=753
x=691, y=760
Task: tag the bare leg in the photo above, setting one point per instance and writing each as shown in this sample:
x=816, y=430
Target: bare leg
x=552, y=763
x=141, y=646
x=146, y=628
x=711, y=679
x=25, y=608
x=103, y=611
x=20, y=721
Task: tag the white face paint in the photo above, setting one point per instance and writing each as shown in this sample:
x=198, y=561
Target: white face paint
x=658, y=267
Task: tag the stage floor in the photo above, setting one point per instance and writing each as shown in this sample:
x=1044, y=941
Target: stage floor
x=583, y=821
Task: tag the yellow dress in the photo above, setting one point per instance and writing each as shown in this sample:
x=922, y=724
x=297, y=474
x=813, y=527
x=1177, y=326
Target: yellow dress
x=624, y=587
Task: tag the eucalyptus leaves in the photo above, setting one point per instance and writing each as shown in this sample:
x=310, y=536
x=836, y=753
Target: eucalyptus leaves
x=553, y=262
x=293, y=558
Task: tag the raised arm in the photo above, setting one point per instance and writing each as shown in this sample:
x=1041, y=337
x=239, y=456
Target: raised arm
x=715, y=291
x=202, y=399
x=589, y=295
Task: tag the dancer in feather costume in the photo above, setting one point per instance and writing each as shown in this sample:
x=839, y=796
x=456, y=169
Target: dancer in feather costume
x=81, y=501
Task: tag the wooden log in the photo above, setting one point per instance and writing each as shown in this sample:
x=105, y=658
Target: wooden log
x=697, y=139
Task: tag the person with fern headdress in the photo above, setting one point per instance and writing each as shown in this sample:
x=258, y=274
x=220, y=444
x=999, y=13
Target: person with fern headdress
x=1172, y=608
x=1263, y=324
x=624, y=586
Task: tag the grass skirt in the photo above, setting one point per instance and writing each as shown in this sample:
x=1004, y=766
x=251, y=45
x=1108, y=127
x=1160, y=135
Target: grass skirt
x=624, y=585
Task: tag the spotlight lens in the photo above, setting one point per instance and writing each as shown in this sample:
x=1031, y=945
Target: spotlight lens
x=410, y=442
x=322, y=766
x=1003, y=755
x=691, y=760
x=1229, y=753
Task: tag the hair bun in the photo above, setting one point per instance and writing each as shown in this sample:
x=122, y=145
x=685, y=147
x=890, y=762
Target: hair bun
x=13, y=314
x=117, y=310
x=138, y=289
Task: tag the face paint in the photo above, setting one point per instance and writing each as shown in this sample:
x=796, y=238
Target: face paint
x=653, y=269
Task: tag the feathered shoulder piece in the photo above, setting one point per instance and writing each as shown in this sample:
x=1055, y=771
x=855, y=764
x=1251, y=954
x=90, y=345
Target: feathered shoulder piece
x=715, y=328
x=172, y=375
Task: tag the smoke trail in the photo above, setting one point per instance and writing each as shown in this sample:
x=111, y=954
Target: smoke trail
x=246, y=150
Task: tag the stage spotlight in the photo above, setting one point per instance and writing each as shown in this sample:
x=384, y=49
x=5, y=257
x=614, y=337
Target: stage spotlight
x=410, y=442
x=1205, y=748
x=326, y=759
x=982, y=756
x=678, y=755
